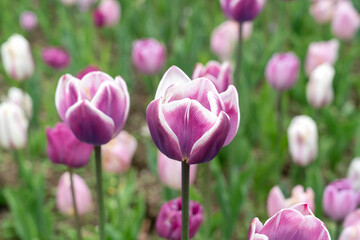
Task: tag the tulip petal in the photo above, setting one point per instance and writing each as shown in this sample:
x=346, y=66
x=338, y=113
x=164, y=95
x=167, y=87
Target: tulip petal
x=198, y=71
x=275, y=201
x=91, y=82
x=89, y=124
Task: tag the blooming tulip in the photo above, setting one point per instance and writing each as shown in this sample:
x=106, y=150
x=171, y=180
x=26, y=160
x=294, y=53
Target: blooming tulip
x=319, y=91
x=16, y=57
x=148, y=56
x=22, y=99
x=95, y=108
x=350, y=233
x=321, y=52
x=242, y=10
x=303, y=140
x=276, y=200
x=282, y=71
x=28, y=20
x=64, y=148
x=55, y=57
x=168, y=222
x=82, y=194
x=219, y=74
x=86, y=70
x=354, y=173
x=339, y=199
x=13, y=126
x=296, y=223
x=346, y=21
x=225, y=37
x=189, y=120
x=107, y=14
x=322, y=11
x=169, y=171
x=118, y=153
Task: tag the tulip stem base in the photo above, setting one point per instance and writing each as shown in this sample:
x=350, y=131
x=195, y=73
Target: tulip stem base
x=238, y=57
x=100, y=196
x=185, y=169
x=76, y=213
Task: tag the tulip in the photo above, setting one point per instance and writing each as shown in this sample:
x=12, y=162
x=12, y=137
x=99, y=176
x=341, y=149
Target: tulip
x=86, y=70
x=282, y=71
x=169, y=171
x=303, y=140
x=107, y=14
x=28, y=20
x=350, y=233
x=148, y=56
x=189, y=120
x=296, y=223
x=321, y=52
x=276, y=200
x=319, y=91
x=64, y=148
x=16, y=57
x=219, y=74
x=13, y=126
x=117, y=154
x=22, y=99
x=339, y=199
x=354, y=173
x=168, y=222
x=352, y=219
x=55, y=57
x=242, y=10
x=346, y=21
x=68, y=2
x=84, y=5
x=95, y=108
x=322, y=11
x=64, y=199
x=225, y=37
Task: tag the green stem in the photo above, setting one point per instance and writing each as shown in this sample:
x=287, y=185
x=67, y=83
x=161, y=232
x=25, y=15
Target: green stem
x=337, y=230
x=279, y=120
x=21, y=169
x=185, y=200
x=76, y=213
x=238, y=57
x=99, y=188
x=207, y=196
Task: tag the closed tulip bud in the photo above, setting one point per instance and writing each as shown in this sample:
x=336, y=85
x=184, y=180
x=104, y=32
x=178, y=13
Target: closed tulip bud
x=168, y=222
x=169, y=171
x=95, y=108
x=13, y=126
x=22, y=99
x=28, y=20
x=148, y=56
x=16, y=57
x=350, y=233
x=55, y=57
x=354, y=173
x=295, y=223
x=352, y=219
x=225, y=37
x=107, y=14
x=86, y=70
x=321, y=52
x=303, y=140
x=346, y=21
x=339, y=199
x=64, y=200
x=282, y=71
x=64, y=148
x=118, y=153
x=219, y=74
x=276, y=200
x=242, y=10
x=319, y=90
x=211, y=118
x=322, y=11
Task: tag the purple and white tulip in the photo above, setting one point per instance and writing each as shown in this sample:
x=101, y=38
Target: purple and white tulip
x=87, y=70
x=22, y=99
x=242, y=10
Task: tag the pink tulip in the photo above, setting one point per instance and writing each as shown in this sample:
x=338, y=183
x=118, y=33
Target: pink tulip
x=64, y=199
x=169, y=171
x=219, y=74
x=86, y=70
x=323, y=11
x=350, y=233
x=117, y=154
x=148, y=55
x=352, y=219
x=28, y=20
x=346, y=21
x=107, y=14
x=55, y=57
x=84, y=5
x=242, y=10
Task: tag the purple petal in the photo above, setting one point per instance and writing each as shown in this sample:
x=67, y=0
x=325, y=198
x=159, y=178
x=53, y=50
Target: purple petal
x=275, y=201
x=198, y=71
x=91, y=82
x=254, y=228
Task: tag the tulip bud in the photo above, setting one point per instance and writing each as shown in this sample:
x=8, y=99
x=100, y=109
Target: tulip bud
x=225, y=37
x=350, y=233
x=321, y=52
x=118, y=153
x=303, y=140
x=354, y=173
x=22, y=99
x=322, y=11
x=148, y=56
x=352, y=219
x=28, y=20
x=16, y=57
x=55, y=57
x=169, y=171
x=346, y=21
x=13, y=126
x=242, y=10
x=339, y=199
x=64, y=148
x=107, y=14
x=219, y=74
x=282, y=71
x=319, y=91
x=82, y=194
x=86, y=70
x=168, y=222
x=84, y=5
